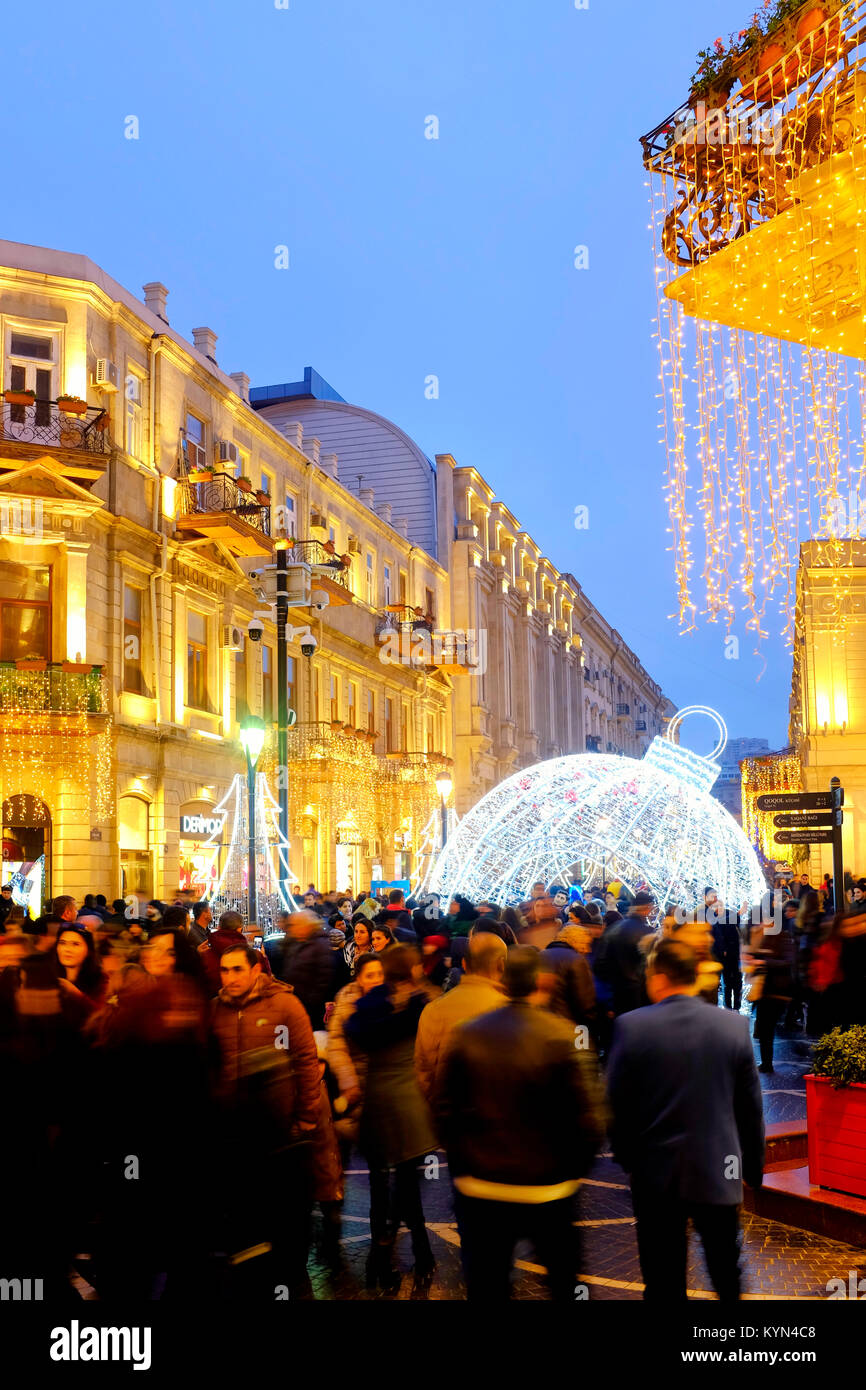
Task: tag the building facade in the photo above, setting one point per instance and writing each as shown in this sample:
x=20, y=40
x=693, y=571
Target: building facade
x=557, y=677
x=728, y=788
x=828, y=689
x=135, y=517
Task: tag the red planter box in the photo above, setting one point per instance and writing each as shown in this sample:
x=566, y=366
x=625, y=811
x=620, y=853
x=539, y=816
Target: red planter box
x=836, y=1131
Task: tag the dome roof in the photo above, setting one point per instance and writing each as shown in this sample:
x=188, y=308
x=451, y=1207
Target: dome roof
x=649, y=821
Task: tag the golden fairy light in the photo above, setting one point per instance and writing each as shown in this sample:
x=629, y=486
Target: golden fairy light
x=758, y=200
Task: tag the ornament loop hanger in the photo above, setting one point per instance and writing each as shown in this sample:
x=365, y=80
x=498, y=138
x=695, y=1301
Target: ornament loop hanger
x=711, y=714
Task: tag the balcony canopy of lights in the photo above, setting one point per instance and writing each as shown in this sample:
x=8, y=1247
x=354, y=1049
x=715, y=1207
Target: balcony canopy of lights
x=649, y=822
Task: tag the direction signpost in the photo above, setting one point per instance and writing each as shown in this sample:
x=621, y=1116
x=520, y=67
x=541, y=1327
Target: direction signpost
x=811, y=818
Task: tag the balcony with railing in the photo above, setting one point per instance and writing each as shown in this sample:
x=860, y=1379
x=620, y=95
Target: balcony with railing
x=30, y=426
x=212, y=504
x=330, y=571
x=765, y=154
x=593, y=743
x=59, y=688
x=623, y=711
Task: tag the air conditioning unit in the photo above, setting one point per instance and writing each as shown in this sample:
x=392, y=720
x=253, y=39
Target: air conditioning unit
x=318, y=520
x=233, y=638
x=194, y=454
x=354, y=546
x=106, y=375
x=227, y=452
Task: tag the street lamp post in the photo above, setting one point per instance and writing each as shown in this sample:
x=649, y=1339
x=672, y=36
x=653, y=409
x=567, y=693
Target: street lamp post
x=282, y=549
x=252, y=740
x=444, y=786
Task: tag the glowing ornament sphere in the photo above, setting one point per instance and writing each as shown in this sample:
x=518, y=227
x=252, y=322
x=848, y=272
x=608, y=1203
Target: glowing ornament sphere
x=649, y=822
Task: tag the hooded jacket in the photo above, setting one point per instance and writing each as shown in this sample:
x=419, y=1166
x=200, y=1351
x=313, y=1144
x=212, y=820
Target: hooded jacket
x=268, y=1072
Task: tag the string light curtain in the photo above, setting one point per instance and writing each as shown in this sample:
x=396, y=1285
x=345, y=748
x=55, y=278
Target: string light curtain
x=56, y=732
x=758, y=202
x=775, y=772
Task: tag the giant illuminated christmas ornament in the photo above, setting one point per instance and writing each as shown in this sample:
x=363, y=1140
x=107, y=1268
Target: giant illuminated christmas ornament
x=648, y=822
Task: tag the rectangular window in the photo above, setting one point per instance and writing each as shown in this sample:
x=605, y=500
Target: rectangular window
x=371, y=712
x=292, y=683
x=268, y=684
x=404, y=728
x=430, y=605
x=403, y=588
x=353, y=704
x=242, y=704
x=133, y=440
x=314, y=695
x=386, y=583
x=25, y=612
x=332, y=533
x=267, y=483
x=290, y=515
x=335, y=699
x=431, y=734
x=194, y=442
x=370, y=581
x=32, y=362
x=389, y=726
x=196, y=660
x=133, y=640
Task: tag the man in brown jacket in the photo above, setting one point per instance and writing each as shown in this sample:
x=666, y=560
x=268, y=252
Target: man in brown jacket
x=267, y=1091
x=479, y=991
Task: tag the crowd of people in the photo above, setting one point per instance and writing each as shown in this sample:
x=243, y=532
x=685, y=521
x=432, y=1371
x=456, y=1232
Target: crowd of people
x=195, y=1097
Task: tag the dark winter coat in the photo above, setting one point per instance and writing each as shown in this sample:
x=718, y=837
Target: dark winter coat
x=309, y=967
x=267, y=1081
x=396, y=1123
x=518, y=1103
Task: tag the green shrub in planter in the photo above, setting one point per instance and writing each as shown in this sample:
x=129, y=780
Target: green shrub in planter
x=841, y=1056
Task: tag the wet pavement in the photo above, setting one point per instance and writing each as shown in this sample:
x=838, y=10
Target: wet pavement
x=778, y=1262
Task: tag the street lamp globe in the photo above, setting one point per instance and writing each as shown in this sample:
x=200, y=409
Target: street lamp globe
x=444, y=785
x=253, y=732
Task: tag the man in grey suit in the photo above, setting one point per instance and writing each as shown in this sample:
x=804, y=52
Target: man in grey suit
x=688, y=1125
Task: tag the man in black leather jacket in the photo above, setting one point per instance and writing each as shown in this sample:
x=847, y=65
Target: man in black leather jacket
x=521, y=1116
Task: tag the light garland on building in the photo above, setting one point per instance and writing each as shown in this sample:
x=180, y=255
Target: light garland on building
x=56, y=734
x=775, y=772
x=759, y=318
x=649, y=821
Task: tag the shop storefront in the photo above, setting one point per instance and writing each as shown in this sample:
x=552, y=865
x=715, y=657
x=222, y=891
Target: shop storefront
x=136, y=860
x=27, y=851
x=201, y=849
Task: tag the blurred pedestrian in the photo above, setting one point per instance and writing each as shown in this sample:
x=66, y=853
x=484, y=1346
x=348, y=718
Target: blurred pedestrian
x=687, y=1125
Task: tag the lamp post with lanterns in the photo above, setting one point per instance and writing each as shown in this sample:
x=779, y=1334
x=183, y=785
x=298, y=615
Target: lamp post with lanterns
x=252, y=740
x=444, y=787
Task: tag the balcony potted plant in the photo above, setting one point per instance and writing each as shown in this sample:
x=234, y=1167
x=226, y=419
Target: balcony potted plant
x=71, y=405
x=263, y=498
x=836, y=1111
x=34, y=664
x=200, y=475
x=245, y=484
x=22, y=397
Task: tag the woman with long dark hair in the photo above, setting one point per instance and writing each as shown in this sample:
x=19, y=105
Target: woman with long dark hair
x=77, y=962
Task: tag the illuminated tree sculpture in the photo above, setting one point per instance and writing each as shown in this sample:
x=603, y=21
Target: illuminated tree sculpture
x=649, y=821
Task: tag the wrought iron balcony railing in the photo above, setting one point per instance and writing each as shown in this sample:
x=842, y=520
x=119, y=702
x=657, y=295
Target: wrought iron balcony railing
x=43, y=422
x=52, y=687
x=217, y=493
x=322, y=556
x=622, y=711
x=399, y=617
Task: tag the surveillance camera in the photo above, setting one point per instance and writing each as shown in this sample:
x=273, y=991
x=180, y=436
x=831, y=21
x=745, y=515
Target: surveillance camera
x=255, y=630
x=320, y=598
x=308, y=644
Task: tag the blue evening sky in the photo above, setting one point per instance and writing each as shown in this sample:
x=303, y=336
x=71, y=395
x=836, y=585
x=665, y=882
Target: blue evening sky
x=408, y=257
